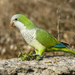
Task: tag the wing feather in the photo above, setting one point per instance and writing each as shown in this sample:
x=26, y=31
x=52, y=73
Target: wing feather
x=46, y=38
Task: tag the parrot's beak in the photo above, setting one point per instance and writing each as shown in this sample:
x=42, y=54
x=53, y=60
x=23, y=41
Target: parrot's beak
x=12, y=24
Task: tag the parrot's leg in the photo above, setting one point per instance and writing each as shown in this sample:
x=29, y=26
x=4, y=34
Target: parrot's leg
x=39, y=53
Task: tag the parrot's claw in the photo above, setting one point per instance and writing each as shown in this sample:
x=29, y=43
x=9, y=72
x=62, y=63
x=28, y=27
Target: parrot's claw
x=35, y=54
x=37, y=57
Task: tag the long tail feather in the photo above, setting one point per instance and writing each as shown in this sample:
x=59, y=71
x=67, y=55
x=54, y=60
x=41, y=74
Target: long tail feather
x=61, y=49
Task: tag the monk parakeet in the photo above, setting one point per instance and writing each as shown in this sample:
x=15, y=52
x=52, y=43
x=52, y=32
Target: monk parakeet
x=36, y=37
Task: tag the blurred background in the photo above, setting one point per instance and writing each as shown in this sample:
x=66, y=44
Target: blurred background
x=55, y=16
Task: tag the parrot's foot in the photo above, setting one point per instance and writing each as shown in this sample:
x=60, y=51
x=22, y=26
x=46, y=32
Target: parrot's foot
x=37, y=57
x=25, y=56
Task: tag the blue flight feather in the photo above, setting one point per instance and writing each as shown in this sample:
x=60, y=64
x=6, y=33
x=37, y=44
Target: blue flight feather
x=60, y=45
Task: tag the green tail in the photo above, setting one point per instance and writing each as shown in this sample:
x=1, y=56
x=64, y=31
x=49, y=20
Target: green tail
x=61, y=49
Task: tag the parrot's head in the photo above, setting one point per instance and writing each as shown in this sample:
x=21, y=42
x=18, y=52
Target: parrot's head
x=20, y=21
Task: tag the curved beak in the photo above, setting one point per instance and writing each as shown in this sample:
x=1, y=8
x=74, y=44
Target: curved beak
x=12, y=24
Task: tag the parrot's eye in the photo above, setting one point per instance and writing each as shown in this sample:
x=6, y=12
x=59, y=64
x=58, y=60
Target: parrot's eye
x=16, y=19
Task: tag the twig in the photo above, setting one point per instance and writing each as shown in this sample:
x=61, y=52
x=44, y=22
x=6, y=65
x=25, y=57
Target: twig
x=58, y=24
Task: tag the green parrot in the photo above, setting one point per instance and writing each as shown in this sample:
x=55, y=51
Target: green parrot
x=36, y=37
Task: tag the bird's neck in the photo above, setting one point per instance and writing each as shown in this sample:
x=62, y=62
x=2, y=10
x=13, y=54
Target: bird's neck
x=19, y=25
x=22, y=26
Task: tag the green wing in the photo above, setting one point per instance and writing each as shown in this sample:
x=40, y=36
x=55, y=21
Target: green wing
x=46, y=39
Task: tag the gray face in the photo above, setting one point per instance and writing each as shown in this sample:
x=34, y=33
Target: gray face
x=14, y=18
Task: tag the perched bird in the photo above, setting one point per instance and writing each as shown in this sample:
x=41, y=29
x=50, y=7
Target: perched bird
x=36, y=37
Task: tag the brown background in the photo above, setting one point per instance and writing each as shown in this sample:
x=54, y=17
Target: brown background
x=48, y=14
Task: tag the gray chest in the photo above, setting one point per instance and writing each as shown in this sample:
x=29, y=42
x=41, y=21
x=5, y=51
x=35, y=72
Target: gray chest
x=28, y=35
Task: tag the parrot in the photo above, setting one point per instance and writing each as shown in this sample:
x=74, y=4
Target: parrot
x=38, y=38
